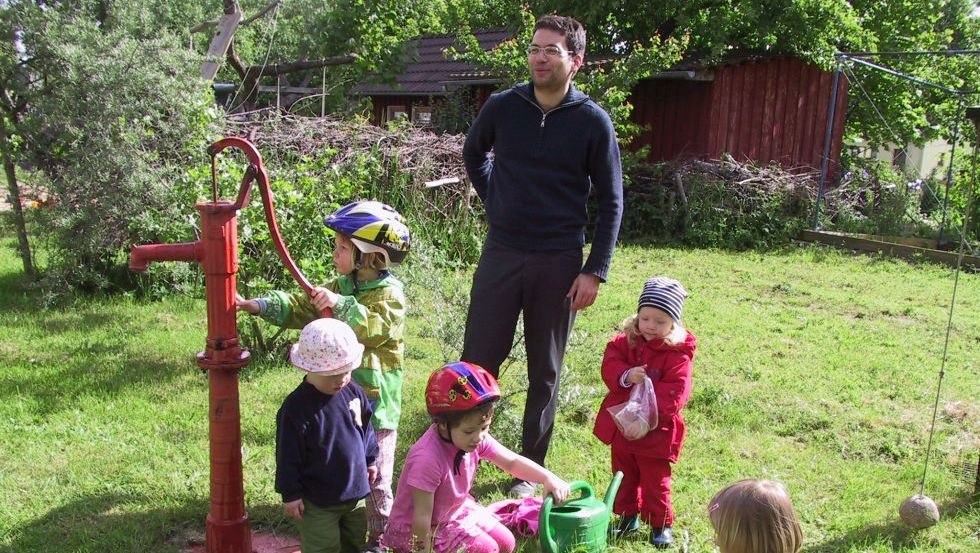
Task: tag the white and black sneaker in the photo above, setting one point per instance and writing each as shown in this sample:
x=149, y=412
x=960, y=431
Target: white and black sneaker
x=522, y=489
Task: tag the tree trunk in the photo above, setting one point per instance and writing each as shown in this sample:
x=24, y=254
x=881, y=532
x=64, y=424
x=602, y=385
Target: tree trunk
x=10, y=170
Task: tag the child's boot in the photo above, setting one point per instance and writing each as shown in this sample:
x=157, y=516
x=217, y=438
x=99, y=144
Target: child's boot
x=628, y=525
x=661, y=538
x=374, y=546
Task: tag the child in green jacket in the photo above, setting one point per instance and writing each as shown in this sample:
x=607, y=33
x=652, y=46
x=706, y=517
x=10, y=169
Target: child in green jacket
x=370, y=238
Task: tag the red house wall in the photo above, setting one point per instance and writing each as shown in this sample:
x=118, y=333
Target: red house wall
x=766, y=111
x=674, y=114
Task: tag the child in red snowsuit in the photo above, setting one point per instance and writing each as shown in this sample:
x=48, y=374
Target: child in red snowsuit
x=653, y=344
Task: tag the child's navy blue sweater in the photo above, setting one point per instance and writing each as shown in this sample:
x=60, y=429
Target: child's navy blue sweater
x=535, y=185
x=322, y=453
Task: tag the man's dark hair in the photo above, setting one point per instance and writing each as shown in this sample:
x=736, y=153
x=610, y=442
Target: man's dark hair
x=572, y=30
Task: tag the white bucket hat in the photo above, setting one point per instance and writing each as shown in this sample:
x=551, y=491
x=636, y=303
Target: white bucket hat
x=327, y=347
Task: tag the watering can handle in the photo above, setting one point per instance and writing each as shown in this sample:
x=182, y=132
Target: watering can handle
x=257, y=172
x=548, y=544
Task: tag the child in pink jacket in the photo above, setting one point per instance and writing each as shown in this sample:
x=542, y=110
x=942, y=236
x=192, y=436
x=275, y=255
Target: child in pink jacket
x=434, y=511
x=653, y=344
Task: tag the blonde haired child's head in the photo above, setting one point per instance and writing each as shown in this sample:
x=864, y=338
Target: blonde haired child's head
x=370, y=235
x=755, y=516
x=658, y=312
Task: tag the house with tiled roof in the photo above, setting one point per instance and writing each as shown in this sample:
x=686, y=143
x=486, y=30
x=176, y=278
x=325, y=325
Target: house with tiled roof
x=760, y=107
x=430, y=78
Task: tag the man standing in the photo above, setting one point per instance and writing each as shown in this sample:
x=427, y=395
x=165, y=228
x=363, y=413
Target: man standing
x=534, y=154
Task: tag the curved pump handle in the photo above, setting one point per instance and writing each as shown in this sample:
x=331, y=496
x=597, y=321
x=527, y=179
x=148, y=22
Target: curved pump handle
x=256, y=171
x=548, y=543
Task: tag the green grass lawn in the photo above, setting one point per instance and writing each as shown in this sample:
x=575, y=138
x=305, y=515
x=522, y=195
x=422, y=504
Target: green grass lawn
x=814, y=367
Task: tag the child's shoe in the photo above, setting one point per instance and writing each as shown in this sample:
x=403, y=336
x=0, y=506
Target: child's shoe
x=372, y=546
x=521, y=489
x=628, y=525
x=661, y=538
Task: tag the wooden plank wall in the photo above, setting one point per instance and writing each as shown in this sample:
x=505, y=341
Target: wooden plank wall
x=766, y=111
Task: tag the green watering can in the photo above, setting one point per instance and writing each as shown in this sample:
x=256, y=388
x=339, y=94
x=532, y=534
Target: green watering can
x=577, y=524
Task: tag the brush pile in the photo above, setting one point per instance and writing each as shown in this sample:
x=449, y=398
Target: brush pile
x=745, y=182
x=410, y=149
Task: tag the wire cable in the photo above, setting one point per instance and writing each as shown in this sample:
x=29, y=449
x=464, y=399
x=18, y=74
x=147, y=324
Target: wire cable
x=949, y=328
x=265, y=61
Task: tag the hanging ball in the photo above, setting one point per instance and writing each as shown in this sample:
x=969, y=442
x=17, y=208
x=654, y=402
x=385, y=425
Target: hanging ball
x=919, y=512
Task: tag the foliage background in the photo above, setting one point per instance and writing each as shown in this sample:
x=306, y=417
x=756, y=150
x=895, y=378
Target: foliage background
x=104, y=111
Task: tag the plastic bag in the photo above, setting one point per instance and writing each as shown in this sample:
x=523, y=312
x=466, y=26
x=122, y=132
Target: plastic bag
x=636, y=417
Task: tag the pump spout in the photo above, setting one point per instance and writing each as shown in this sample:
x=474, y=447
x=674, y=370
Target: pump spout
x=141, y=256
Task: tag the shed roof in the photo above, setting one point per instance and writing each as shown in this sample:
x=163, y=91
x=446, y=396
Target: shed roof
x=427, y=71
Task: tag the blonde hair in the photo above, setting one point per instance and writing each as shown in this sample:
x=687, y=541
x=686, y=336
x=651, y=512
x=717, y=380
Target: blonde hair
x=677, y=334
x=374, y=261
x=755, y=516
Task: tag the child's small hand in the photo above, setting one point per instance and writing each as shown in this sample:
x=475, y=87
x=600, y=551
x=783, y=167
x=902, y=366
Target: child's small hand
x=323, y=298
x=558, y=488
x=636, y=374
x=249, y=306
x=294, y=509
x=372, y=473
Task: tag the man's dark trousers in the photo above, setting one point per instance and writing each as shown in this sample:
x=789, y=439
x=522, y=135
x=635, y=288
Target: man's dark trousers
x=510, y=281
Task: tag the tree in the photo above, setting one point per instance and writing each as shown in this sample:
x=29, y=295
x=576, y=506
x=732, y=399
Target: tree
x=13, y=87
x=887, y=109
x=352, y=37
x=112, y=122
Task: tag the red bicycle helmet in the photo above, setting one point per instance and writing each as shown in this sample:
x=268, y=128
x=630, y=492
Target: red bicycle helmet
x=459, y=386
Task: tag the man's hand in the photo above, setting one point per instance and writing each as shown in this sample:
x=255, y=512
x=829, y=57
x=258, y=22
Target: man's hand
x=294, y=509
x=372, y=474
x=584, y=291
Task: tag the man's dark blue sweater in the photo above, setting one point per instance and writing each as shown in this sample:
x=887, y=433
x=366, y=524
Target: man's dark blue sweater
x=536, y=183
x=324, y=445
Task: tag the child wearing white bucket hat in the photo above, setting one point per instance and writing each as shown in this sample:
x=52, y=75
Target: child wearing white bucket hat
x=325, y=444
x=370, y=238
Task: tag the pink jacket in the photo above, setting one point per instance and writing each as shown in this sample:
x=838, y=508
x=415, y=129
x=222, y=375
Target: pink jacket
x=669, y=367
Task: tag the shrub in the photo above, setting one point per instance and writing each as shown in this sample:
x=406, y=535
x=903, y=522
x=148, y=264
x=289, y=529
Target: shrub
x=120, y=120
x=716, y=204
x=318, y=164
x=868, y=199
x=872, y=198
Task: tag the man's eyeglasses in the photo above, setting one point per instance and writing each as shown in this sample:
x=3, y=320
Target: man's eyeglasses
x=549, y=51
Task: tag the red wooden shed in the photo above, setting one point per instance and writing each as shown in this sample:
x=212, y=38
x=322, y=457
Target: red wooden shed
x=764, y=109
x=761, y=108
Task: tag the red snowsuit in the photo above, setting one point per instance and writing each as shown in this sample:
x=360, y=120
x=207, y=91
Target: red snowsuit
x=646, y=462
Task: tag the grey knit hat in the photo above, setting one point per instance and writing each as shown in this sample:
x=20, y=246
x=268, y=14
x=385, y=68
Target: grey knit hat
x=664, y=293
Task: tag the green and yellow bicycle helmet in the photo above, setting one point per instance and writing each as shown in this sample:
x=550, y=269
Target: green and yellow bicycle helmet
x=373, y=227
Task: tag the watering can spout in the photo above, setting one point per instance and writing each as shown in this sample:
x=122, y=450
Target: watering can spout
x=613, y=489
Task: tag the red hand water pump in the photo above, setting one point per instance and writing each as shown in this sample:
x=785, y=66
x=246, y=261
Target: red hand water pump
x=217, y=252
